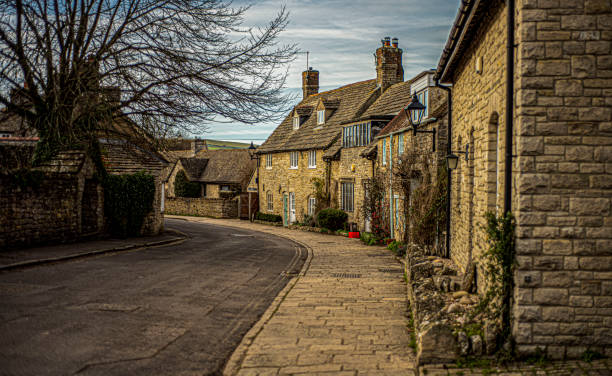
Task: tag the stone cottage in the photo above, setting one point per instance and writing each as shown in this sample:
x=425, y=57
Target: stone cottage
x=397, y=142
x=532, y=119
x=322, y=138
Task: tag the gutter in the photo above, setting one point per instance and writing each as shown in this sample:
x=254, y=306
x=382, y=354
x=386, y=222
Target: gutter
x=449, y=173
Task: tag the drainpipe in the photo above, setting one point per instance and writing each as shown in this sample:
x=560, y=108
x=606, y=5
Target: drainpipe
x=509, y=106
x=449, y=173
x=391, y=229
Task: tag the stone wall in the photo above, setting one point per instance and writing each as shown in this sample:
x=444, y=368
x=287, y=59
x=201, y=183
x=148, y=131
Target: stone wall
x=353, y=168
x=45, y=213
x=564, y=177
x=280, y=180
x=205, y=207
x=478, y=123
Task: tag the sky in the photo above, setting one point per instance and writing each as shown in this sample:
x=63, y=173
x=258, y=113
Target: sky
x=341, y=37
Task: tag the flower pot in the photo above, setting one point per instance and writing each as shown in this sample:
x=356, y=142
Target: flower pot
x=354, y=235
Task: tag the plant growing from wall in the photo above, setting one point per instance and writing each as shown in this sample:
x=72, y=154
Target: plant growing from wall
x=184, y=187
x=375, y=207
x=424, y=204
x=499, y=262
x=127, y=200
x=321, y=195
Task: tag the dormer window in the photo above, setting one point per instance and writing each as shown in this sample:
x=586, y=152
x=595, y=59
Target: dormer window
x=424, y=100
x=320, y=117
x=296, y=123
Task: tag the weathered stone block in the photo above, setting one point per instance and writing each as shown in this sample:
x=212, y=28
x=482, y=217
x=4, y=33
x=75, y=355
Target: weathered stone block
x=589, y=206
x=560, y=314
x=550, y=296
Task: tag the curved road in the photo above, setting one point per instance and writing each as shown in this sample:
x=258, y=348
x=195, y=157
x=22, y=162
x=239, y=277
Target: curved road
x=173, y=310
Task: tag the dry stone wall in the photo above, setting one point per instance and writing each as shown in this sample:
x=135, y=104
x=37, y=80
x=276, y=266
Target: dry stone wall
x=205, y=207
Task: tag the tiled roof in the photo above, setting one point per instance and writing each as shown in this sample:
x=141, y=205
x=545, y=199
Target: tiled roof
x=390, y=102
x=400, y=121
x=194, y=167
x=309, y=136
x=67, y=162
x=15, y=124
x=227, y=166
x=121, y=157
x=333, y=150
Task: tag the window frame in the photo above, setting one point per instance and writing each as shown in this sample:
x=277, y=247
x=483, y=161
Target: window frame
x=320, y=117
x=347, y=196
x=384, y=152
x=312, y=205
x=270, y=201
x=294, y=156
x=400, y=145
x=269, y=161
x=296, y=123
x=312, y=158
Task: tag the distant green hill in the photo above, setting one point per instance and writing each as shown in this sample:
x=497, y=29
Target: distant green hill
x=216, y=145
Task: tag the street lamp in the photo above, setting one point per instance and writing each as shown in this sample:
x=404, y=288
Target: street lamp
x=452, y=159
x=252, y=149
x=414, y=112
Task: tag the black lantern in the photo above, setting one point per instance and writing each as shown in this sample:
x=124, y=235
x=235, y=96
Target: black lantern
x=252, y=149
x=414, y=112
x=451, y=161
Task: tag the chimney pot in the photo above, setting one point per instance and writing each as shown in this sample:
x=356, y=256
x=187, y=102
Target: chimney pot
x=395, y=42
x=387, y=41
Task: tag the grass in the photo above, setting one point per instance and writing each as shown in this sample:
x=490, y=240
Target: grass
x=590, y=355
x=219, y=145
x=413, y=342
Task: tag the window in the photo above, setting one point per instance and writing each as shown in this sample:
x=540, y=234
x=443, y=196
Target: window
x=347, y=196
x=225, y=188
x=397, y=208
x=270, y=201
x=400, y=144
x=296, y=122
x=384, y=152
x=268, y=161
x=321, y=117
x=312, y=205
x=312, y=159
x=356, y=135
x=293, y=159
x=5, y=135
x=424, y=99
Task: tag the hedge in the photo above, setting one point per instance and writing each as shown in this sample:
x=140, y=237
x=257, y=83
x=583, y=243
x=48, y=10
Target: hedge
x=333, y=219
x=127, y=200
x=268, y=217
x=184, y=187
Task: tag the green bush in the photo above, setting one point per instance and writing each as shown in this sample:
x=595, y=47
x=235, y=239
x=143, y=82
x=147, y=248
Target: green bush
x=332, y=219
x=127, y=200
x=268, y=217
x=397, y=247
x=184, y=187
x=368, y=238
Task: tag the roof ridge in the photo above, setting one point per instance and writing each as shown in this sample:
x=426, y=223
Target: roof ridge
x=340, y=88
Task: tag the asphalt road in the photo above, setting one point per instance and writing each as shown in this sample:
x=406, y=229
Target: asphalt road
x=172, y=310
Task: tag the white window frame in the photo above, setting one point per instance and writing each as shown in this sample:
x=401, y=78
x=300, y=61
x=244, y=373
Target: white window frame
x=268, y=161
x=423, y=97
x=347, y=195
x=312, y=205
x=384, y=152
x=296, y=123
x=320, y=117
x=5, y=135
x=312, y=159
x=400, y=145
x=294, y=158
x=270, y=201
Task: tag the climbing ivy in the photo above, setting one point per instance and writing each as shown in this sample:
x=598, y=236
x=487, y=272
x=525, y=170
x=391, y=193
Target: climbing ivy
x=127, y=200
x=499, y=262
x=184, y=187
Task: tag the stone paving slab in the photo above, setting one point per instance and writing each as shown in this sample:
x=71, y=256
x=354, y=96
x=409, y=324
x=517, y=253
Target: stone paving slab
x=344, y=315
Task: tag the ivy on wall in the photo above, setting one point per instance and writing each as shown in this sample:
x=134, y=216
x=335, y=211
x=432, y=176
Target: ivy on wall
x=127, y=200
x=185, y=188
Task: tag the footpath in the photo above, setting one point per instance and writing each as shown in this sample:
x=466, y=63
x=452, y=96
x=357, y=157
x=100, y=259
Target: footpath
x=28, y=257
x=346, y=314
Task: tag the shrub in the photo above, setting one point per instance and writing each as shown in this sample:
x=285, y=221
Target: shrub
x=184, y=187
x=368, y=238
x=309, y=221
x=398, y=248
x=127, y=200
x=268, y=217
x=333, y=219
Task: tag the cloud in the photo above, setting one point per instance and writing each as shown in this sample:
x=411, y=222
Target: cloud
x=342, y=35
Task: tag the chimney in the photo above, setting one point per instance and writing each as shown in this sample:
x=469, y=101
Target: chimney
x=310, y=82
x=198, y=145
x=389, y=69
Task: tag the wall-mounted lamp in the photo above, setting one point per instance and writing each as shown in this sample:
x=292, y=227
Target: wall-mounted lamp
x=251, y=150
x=414, y=112
x=452, y=159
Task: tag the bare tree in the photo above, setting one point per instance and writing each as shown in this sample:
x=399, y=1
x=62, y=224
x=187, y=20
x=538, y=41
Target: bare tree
x=152, y=66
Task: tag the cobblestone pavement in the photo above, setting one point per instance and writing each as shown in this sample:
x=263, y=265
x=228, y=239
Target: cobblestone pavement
x=345, y=315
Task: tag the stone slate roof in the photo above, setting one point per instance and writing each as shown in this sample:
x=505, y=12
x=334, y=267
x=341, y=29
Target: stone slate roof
x=348, y=104
x=122, y=157
x=16, y=125
x=67, y=162
x=390, y=102
x=233, y=166
x=194, y=167
x=400, y=121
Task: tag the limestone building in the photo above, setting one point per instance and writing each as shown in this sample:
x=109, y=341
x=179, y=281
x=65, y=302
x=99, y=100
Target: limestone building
x=537, y=115
x=323, y=137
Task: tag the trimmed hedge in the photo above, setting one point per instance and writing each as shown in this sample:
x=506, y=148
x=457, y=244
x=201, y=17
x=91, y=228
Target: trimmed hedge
x=184, y=187
x=333, y=219
x=127, y=200
x=268, y=217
